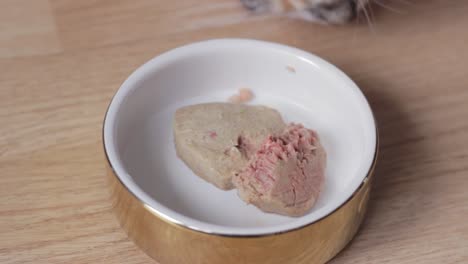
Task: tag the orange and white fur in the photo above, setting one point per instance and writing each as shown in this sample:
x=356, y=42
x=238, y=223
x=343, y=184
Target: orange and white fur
x=323, y=11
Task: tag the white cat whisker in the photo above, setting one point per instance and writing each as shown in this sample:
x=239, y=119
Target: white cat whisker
x=368, y=18
x=371, y=12
x=406, y=2
x=388, y=7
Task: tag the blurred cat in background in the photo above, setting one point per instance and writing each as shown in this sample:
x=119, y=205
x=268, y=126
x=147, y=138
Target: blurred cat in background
x=322, y=11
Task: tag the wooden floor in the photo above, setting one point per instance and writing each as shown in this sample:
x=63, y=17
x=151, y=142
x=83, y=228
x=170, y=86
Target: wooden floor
x=62, y=60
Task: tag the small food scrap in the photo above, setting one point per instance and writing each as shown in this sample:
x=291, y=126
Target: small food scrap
x=212, y=134
x=291, y=69
x=244, y=95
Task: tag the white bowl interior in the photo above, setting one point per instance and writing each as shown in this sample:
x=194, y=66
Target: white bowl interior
x=139, y=141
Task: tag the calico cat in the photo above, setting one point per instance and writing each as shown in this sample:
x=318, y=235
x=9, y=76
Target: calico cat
x=323, y=11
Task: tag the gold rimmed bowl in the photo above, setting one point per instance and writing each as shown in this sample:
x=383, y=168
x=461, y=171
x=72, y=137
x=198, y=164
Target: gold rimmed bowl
x=176, y=217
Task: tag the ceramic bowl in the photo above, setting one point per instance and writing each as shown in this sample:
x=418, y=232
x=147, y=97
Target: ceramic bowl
x=175, y=216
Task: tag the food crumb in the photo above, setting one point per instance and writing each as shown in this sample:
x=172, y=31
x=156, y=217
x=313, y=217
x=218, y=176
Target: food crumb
x=212, y=134
x=291, y=69
x=244, y=95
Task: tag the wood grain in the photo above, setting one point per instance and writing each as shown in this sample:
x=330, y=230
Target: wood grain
x=62, y=60
x=27, y=28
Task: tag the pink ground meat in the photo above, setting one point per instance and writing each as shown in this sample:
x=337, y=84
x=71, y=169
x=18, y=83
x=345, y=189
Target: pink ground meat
x=286, y=174
x=244, y=95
